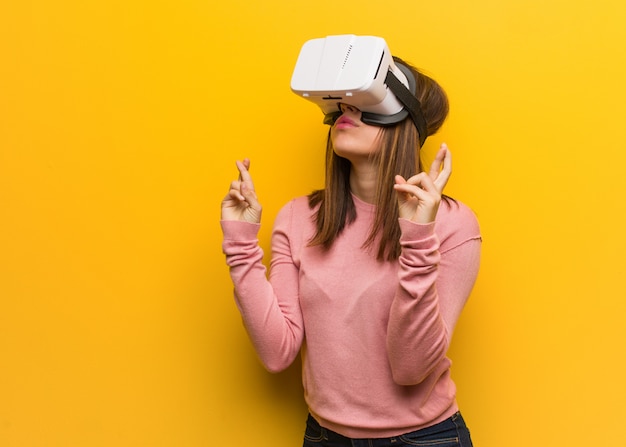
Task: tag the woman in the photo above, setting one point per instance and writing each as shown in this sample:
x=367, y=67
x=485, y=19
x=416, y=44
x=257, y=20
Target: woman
x=367, y=279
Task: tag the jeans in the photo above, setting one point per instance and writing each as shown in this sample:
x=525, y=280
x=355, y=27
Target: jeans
x=450, y=433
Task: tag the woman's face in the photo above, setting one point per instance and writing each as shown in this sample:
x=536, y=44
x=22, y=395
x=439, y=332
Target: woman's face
x=352, y=139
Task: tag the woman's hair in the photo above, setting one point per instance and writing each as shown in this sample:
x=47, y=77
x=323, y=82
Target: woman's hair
x=398, y=153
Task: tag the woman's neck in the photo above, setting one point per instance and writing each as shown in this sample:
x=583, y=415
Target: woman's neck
x=363, y=179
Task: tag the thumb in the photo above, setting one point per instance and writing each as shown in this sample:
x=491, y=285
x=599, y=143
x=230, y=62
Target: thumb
x=248, y=193
x=399, y=179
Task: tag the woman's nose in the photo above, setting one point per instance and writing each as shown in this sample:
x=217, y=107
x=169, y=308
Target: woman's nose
x=348, y=108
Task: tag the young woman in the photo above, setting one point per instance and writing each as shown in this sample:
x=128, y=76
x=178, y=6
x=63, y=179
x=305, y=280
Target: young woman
x=367, y=280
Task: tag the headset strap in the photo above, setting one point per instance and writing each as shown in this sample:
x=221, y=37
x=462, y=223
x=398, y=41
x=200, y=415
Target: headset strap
x=412, y=104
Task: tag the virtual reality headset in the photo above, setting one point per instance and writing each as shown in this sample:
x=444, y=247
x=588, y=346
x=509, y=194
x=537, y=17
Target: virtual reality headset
x=359, y=71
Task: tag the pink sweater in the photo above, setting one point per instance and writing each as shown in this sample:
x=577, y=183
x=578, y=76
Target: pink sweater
x=373, y=335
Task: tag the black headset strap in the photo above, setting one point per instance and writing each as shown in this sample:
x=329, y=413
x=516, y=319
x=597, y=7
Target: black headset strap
x=408, y=99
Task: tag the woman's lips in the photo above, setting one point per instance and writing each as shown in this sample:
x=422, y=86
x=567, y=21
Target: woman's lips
x=344, y=122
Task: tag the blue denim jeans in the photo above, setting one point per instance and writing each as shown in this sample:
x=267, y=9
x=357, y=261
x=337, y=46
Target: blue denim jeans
x=450, y=433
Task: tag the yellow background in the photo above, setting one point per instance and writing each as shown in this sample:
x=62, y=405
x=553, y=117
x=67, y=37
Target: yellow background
x=119, y=125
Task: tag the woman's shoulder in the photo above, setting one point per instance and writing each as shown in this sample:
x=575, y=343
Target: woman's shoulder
x=456, y=223
x=297, y=212
x=297, y=207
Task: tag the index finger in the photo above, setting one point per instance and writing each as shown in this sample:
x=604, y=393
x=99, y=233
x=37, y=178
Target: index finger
x=440, y=158
x=441, y=179
x=243, y=167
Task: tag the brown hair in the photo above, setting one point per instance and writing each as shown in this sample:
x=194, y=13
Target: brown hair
x=398, y=154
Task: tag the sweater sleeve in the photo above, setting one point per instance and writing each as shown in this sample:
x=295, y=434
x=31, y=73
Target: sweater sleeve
x=269, y=308
x=434, y=284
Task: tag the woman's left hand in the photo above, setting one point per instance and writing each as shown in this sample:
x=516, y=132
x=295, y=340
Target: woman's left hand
x=420, y=195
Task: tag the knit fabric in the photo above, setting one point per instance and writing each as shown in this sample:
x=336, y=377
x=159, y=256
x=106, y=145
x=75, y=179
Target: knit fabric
x=373, y=335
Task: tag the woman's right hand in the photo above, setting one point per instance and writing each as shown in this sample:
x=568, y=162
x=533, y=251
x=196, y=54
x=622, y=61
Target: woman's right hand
x=241, y=201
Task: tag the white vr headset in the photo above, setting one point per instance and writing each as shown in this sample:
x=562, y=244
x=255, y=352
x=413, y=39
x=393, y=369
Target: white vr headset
x=359, y=71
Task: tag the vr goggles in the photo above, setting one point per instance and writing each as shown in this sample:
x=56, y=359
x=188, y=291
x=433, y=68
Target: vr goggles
x=359, y=71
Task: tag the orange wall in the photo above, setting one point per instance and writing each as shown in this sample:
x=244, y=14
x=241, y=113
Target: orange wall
x=119, y=126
